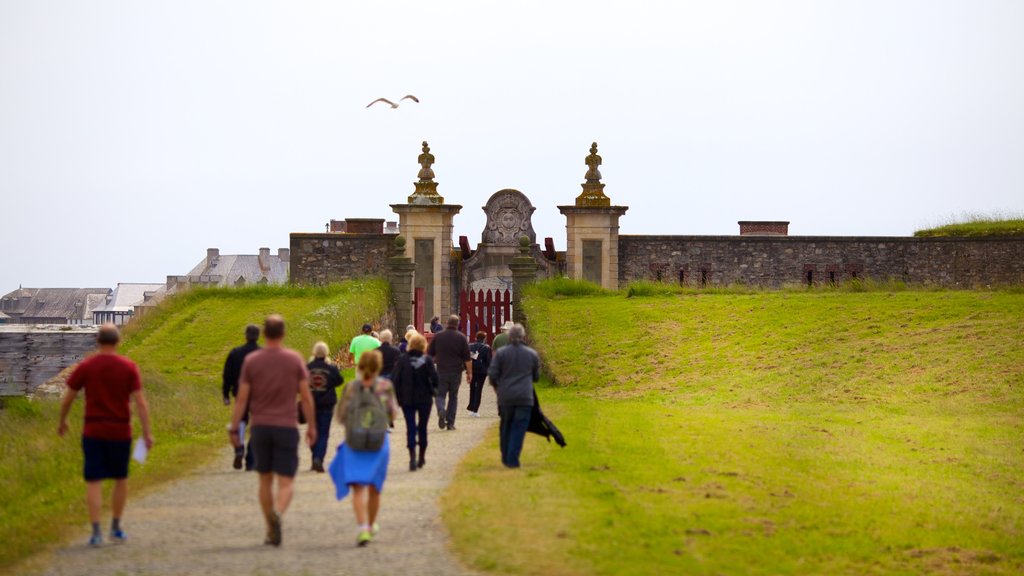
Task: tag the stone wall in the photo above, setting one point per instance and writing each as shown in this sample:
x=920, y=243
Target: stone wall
x=31, y=355
x=323, y=258
x=778, y=260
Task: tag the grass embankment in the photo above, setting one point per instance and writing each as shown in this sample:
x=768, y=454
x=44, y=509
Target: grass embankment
x=978, y=225
x=765, y=433
x=180, y=349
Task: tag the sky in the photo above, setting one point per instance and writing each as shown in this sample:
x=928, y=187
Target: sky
x=134, y=135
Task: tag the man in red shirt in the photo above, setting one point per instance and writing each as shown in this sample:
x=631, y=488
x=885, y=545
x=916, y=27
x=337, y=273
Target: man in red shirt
x=270, y=381
x=110, y=381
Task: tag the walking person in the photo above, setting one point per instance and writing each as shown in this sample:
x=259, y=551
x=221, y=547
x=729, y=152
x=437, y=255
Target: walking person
x=435, y=325
x=324, y=379
x=415, y=381
x=232, y=370
x=361, y=464
x=363, y=342
x=270, y=380
x=480, y=352
x=513, y=371
x=501, y=339
x=111, y=383
x=450, y=350
x=405, y=339
x=388, y=353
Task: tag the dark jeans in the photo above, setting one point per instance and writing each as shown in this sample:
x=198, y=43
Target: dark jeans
x=476, y=391
x=514, y=422
x=414, y=428
x=448, y=387
x=323, y=431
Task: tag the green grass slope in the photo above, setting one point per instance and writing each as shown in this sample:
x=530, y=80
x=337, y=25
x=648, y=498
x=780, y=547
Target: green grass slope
x=765, y=433
x=977, y=225
x=180, y=349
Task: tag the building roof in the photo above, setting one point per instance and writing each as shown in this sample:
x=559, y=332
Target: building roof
x=126, y=297
x=67, y=303
x=4, y=316
x=251, y=268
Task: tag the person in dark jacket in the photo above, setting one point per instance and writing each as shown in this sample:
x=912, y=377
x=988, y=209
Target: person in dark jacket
x=324, y=380
x=388, y=353
x=513, y=371
x=415, y=381
x=450, y=350
x=480, y=352
x=435, y=325
x=229, y=387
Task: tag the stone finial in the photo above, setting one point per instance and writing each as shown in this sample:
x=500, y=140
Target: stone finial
x=399, y=245
x=524, y=245
x=426, y=188
x=426, y=160
x=593, y=161
x=593, y=189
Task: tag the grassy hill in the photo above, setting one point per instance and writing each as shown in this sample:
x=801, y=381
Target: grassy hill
x=978, y=225
x=764, y=433
x=180, y=349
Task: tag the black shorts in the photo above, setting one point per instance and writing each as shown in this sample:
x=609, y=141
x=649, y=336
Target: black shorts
x=276, y=449
x=105, y=458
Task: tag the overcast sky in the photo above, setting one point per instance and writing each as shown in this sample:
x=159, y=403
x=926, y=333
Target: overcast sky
x=134, y=135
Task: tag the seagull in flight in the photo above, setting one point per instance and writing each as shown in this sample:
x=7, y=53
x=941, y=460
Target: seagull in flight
x=394, y=105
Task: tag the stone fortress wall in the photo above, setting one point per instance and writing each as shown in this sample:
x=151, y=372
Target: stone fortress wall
x=774, y=261
x=763, y=254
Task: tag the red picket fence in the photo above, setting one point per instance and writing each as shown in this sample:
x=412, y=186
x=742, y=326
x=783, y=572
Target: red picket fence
x=484, y=311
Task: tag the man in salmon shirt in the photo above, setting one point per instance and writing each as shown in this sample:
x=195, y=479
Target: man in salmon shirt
x=271, y=379
x=110, y=382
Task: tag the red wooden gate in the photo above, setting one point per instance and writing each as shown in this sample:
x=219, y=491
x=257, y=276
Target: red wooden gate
x=484, y=311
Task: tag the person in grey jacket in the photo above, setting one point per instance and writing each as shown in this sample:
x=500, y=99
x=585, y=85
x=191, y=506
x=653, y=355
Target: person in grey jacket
x=512, y=372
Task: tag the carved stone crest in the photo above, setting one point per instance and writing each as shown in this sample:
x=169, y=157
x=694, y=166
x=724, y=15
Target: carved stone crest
x=509, y=213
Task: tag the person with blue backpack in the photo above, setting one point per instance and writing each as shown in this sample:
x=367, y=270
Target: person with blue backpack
x=366, y=409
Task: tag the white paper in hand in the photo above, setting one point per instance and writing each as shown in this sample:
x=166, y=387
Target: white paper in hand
x=140, y=452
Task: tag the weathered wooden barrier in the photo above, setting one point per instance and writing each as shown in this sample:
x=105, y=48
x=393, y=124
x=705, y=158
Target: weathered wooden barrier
x=31, y=355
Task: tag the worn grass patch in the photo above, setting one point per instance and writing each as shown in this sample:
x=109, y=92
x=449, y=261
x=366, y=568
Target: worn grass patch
x=180, y=349
x=770, y=433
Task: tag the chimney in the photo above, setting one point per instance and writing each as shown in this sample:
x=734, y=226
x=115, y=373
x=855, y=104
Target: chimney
x=284, y=254
x=171, y=281
x=212, y=254
x=763, y=228
x=264, y=257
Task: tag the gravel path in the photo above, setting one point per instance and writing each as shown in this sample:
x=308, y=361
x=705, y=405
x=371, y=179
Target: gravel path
x=210, y=523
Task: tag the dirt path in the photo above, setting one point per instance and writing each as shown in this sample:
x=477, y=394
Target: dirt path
x=210, y=523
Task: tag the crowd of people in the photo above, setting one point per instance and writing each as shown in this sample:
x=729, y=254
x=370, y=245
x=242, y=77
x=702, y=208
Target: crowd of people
x=274, y=390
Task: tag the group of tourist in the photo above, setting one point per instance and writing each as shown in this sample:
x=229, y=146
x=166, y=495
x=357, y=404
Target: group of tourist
x=265, y=383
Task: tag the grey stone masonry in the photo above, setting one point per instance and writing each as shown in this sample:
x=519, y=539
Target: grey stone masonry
x=778, y=260
x=324, y=258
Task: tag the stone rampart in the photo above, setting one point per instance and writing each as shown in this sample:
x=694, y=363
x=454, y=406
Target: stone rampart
x=778, y=260
x=31, y=355
x=324, y=258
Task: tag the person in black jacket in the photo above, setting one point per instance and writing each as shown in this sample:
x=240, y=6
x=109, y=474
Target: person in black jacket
x=480, y=352
x=388, y=353
x=324, y=379
x=415, y=382
x=229, y=387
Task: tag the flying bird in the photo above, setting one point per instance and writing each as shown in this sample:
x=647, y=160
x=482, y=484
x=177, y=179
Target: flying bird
x=392, y=104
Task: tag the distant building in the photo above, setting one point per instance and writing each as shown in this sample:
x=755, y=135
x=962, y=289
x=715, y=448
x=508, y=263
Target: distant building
x=233, y=270
x=124, y=302
x=4, y=318
x=52, y=305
